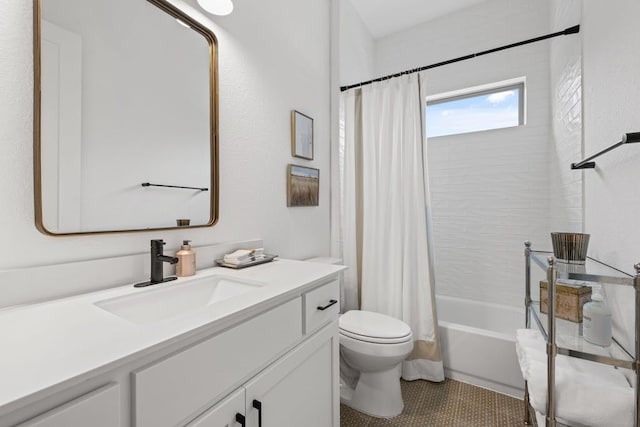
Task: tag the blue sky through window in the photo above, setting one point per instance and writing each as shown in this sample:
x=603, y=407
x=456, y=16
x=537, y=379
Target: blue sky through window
x=475, y=113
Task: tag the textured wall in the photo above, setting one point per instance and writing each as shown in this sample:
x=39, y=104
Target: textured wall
x=274, y=57
x=489, y=190
x=611, y=108
x=565, y=192
x=356, y=46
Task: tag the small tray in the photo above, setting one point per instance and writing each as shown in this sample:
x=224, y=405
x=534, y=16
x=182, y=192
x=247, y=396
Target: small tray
x=267, y=258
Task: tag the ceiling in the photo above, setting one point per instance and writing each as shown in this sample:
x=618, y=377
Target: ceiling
x=384, y=17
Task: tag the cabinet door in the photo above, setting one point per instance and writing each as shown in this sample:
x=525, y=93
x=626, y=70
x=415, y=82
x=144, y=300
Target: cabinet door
x=301, y=389
x=224, y=414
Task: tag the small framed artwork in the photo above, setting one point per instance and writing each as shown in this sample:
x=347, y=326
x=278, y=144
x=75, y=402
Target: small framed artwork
x=301, y=135
x=303, y=186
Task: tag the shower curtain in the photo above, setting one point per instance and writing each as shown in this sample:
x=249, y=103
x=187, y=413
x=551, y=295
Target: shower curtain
x=382, y=204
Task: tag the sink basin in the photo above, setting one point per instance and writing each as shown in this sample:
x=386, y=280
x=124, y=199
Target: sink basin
x=175, y=299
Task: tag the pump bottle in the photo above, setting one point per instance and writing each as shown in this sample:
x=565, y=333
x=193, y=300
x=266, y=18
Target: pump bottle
x=186, y=260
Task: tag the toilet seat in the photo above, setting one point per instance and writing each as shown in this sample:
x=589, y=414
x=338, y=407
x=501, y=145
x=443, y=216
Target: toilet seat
x=374, y=328
x=375, y=340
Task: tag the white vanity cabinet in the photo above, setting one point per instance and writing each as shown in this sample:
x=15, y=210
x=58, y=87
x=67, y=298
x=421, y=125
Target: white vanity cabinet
x=321, y=305
x=100, y=408
x=168, y=392
x=301, y=389
x=275, y=367
x=228, y=413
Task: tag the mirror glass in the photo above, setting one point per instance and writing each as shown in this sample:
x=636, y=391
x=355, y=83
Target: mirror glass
x=125, y=96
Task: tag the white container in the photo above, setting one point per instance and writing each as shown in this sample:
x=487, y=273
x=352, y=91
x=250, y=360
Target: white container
x=597, y=320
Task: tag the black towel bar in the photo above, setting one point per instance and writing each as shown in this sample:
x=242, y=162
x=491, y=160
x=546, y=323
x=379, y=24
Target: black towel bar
x=627, y=138
x=146, y=184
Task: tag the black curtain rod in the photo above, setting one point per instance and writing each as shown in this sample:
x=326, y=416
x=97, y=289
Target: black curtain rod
x=147, y=184
x=571, y=30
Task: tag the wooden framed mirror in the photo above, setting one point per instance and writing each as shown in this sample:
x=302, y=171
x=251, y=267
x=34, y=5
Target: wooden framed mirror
x=125, y=117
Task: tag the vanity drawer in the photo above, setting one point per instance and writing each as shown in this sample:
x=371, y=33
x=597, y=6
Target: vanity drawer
x=100, y=408
x=321, y=306
x=170, y=391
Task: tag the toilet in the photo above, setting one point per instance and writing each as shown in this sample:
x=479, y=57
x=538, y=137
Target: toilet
x=372, y=348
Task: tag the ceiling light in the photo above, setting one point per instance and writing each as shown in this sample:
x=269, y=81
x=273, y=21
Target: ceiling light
x=217, y=7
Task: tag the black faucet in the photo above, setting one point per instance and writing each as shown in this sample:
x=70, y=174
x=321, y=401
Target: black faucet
x=157, y=262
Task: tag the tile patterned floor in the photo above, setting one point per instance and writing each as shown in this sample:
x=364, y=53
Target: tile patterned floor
x=447, y=404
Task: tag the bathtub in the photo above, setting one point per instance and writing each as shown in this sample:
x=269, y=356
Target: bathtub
x=478, y=343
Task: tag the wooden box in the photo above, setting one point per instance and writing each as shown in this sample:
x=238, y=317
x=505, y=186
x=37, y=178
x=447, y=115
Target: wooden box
x=569, y=300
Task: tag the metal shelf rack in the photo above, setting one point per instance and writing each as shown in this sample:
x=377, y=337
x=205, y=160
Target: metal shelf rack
x=575, y=346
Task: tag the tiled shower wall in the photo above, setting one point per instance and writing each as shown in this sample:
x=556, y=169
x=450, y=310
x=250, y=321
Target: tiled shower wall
x=565, y=191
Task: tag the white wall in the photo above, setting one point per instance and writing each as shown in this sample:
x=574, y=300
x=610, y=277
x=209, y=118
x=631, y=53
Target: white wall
x=274, y=57
x=356, y=47
x=489, y=190
x=611, y=108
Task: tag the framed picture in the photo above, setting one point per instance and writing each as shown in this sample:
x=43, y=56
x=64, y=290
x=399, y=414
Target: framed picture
x=301, y=135
x=303, y=186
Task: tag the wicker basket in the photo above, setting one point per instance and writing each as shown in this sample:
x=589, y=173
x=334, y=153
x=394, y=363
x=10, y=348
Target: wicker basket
x=570, y=247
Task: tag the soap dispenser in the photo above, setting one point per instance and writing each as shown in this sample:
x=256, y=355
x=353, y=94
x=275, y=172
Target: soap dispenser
x=186, y=260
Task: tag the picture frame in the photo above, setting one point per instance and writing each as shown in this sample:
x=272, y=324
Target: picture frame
x=301, y=135
x=303, y=186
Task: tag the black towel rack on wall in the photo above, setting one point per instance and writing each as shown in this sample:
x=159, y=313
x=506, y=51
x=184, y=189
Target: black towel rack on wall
x=146, y=184
x=587, y=163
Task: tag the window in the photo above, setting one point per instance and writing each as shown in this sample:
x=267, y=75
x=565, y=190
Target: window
x=476, y=110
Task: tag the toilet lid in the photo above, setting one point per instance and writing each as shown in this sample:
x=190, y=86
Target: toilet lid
x=373, y=327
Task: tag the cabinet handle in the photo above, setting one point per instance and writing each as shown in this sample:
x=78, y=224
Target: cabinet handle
x=240, y=419
x=258, y=405
x=331, y=302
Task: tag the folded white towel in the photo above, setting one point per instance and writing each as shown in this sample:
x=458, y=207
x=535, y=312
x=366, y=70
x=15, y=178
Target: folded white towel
x=244, y=260
x=588, y=393
x=243, y=254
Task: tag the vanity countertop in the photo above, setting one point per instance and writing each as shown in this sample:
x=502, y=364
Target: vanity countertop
x=53, y=345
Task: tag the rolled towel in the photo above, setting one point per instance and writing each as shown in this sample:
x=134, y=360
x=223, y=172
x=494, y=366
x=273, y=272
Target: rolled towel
x=587, y=393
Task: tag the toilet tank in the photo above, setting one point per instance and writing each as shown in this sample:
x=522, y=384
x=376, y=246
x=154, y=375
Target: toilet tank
x=332, y=261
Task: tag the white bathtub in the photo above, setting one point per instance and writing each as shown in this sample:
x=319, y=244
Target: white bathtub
x=478, y=343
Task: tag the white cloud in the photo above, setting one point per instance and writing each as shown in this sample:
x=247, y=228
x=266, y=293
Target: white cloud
x=496, y=98
x=472, y=120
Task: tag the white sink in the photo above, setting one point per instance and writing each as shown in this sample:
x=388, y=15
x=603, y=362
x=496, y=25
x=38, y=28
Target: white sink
x=175, y=299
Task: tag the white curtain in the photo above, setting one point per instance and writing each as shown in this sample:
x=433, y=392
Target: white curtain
x=345, y=201
x=383, y=205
